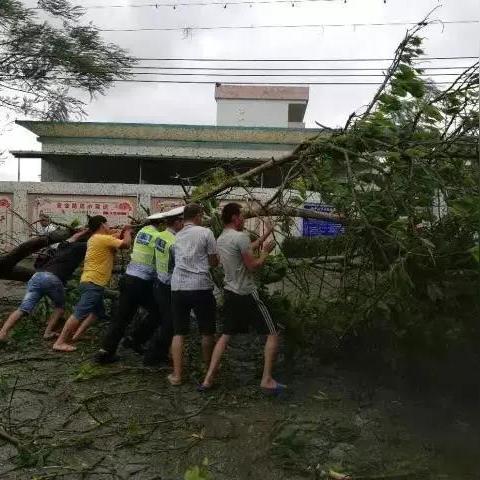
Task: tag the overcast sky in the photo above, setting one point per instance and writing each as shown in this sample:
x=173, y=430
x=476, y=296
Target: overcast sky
x=195, y=104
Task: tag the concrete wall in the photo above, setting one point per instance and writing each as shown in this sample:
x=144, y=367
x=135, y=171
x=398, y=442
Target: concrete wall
x=65, y=202
x=252, y=113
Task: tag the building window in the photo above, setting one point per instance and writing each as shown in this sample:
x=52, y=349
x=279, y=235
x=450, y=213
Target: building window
x=296, y=111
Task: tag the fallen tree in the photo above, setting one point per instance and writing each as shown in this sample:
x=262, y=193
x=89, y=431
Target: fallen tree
x=404, y=175
x=9, y=268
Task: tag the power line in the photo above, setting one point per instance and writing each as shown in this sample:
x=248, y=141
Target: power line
x=173, y=74
x=267, y=69
x=277, y=60
x=293, y=75
x=205, y=4
x=252, y=27
x=213, y=82
x=292, y=60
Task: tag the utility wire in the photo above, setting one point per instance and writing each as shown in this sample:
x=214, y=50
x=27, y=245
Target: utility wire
x=311, y=75
x=205, y=4
x=212, y=82
x=252, y=27
x=420, y=59
x=279, y=60
x=269, y=69
x=234, y=75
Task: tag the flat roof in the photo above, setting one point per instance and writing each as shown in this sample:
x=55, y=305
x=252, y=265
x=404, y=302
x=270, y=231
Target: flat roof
x=168, y=132
x=260, y=92
x=61, y=155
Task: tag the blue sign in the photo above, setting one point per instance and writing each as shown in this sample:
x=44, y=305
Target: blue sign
x=321, y=228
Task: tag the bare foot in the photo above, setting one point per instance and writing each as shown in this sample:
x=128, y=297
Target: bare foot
x=87, y=338
x=64, y=347
x=271, y=384
x=50, y=335
x=175, y=381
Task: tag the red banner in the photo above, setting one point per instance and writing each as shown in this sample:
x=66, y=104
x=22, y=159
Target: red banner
x=69, y=208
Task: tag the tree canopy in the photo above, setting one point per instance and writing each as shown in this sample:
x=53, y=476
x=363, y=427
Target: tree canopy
x=48, y=58
x=404, y=175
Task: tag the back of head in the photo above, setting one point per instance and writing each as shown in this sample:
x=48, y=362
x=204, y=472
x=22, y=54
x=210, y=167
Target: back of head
x=191, y=211
x=94, y=223
x=44, y=219
x=155, y=222
x=170, y=221
x=228, y=212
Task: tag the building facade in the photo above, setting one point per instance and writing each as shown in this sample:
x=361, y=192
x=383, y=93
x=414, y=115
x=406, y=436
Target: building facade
x=122, y=170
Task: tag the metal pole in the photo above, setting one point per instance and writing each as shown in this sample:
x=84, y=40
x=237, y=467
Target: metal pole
x=18, y=169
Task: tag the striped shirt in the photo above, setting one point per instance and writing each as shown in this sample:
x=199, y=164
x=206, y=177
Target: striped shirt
x=193, y=245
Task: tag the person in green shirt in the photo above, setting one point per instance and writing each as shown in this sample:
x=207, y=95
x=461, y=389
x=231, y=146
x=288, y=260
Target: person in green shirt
x=158, y=347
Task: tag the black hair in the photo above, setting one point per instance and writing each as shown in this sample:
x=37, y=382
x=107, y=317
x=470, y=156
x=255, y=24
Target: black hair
x=171, y=220
x=155, y=222
x=95, y=222
x=191, y=211
x=229, y=210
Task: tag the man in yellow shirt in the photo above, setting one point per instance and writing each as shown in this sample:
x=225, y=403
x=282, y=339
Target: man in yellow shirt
x=97, y=271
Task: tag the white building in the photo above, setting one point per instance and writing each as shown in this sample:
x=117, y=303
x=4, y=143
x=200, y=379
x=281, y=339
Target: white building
x=261, y=106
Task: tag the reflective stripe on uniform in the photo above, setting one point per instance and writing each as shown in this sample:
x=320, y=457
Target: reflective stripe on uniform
x=163, y=243
x=144, y=246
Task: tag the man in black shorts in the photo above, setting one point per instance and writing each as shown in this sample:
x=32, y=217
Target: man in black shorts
x=195, y=252
x=243, y=306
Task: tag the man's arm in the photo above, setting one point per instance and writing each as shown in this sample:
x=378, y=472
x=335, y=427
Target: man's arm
x=259, y=241
x=126, y=237
x=77, y=235
x=213, y=260
x=212, y=250
x=253, y=263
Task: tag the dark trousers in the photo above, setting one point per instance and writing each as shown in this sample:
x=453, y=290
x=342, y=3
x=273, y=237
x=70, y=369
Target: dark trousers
x=159, y=345
x=134, y=293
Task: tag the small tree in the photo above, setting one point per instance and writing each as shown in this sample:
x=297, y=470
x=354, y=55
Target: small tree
x=46, y=52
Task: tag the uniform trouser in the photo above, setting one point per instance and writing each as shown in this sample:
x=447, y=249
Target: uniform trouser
x=159, y=345
x=134, y=293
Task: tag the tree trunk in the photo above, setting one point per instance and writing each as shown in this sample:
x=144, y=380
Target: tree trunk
x=9, y=270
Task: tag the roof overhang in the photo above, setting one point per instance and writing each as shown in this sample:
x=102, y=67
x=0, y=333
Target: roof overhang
x=261, y=92
x=47, y=155
x=173, y=133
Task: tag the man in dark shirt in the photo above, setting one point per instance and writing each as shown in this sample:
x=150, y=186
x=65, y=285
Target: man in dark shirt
x=50, y=280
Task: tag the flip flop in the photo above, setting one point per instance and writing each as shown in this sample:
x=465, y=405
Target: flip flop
x=274, y=392
x=201, y=388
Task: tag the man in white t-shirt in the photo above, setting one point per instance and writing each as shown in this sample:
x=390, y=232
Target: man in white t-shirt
x=242, y=306
x=195, y=252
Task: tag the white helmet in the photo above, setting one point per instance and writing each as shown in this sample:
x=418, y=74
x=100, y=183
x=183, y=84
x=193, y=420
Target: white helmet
x=174, y=212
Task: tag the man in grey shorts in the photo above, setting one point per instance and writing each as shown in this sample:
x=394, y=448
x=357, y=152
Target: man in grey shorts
x=195, y=252
x=243, y=306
